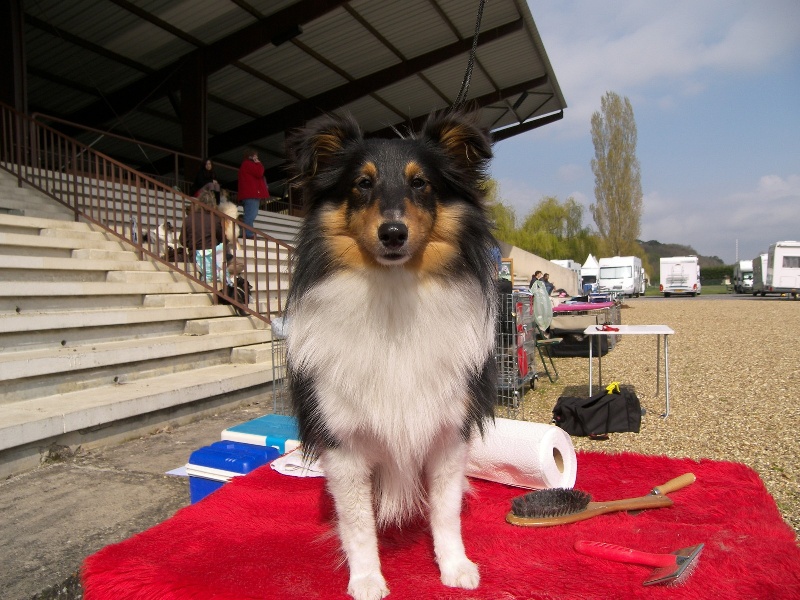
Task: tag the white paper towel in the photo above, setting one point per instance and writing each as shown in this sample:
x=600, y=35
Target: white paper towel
x=524, y=454
x=518, y=453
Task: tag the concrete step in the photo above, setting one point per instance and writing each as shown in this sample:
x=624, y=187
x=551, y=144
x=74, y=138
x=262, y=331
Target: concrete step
x=178, y=300
x=33, y=363
x=37, y=223
x=29, y=200
x=223, y=325
x=13, y=263
x=95, y=254
x=31, y=323
x=30, y=242
x=255, y=354
x=49, y=417
x=55, y=288
x=142, y=276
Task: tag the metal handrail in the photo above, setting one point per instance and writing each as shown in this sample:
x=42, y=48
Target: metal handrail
x=138, y=209
x=284, y=205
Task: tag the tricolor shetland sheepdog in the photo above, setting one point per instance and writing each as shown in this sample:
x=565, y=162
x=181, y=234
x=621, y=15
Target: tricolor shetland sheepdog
x=392, y=309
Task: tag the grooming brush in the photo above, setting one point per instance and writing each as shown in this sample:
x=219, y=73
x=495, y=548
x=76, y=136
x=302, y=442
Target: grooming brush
x=672, y=568
x=673, y=485
x=559, y=506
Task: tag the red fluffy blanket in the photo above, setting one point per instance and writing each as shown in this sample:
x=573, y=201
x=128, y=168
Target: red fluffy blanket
x=266, y=535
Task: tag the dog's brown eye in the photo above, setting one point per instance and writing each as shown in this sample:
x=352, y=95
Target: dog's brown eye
x=364, y=184
x=417, y=183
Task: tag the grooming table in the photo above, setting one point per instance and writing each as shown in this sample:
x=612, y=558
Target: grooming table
x=266, y=535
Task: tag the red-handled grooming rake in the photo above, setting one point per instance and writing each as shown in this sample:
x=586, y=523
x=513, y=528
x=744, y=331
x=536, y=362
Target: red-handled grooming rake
x=674, y=567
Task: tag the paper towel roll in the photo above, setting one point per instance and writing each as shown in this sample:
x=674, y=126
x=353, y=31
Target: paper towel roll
x=524, y=454
x=518, y=453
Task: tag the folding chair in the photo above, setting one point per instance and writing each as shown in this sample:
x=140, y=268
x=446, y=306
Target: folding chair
x=543, y=345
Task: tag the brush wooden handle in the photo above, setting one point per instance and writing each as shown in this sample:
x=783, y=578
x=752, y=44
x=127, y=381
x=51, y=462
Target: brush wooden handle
x=673, y=485
x=625, y=555
x=592, y=510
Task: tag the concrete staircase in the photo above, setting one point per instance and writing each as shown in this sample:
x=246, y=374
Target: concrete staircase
x=26, y=201
x=97, y=346
x=267, y=263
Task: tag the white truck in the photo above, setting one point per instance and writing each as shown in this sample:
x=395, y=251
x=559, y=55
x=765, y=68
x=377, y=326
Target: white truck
x=783, y=269
x=620, y=275
x=743, y=277
x=680, y=275
x=759, y=274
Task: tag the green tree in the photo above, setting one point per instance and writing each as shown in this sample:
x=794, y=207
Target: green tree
x=617, y=210
x=504, y=217
x=555, y=230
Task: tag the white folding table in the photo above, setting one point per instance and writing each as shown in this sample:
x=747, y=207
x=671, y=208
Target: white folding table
x=660, y=331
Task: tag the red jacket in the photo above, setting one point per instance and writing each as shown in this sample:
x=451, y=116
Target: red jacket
x=252, y=183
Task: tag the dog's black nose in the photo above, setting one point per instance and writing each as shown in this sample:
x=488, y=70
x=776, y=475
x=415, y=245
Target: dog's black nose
x=393, y=234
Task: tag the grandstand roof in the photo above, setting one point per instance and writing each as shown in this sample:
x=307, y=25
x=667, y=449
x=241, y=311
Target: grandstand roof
x=152, y=69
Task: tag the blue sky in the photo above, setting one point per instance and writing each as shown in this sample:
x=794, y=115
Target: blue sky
x=715, y=89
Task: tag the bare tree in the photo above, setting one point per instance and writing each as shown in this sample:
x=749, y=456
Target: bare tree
x=617, y=210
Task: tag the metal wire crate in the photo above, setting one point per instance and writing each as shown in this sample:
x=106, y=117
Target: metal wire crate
x=514, y=346
x=280, y=391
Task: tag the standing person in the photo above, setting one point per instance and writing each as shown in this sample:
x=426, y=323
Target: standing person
x=535, y=277
x=206, y=179
x=548, y=286
x=252, y=188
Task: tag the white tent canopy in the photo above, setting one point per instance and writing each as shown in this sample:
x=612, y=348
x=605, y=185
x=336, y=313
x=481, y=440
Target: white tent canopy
x=590, y=267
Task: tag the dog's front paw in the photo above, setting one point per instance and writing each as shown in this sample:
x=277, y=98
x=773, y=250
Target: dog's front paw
x=369, y=587
x=461, y=574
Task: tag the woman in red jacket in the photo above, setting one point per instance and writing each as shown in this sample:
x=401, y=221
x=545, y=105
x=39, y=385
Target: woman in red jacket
x=252, y=187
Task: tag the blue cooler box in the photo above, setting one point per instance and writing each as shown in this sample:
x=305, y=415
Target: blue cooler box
x=278, y=431
x=210, y=467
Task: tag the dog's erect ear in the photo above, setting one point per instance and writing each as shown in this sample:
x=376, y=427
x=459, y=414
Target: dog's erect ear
x=319, y=145
x=463, y=141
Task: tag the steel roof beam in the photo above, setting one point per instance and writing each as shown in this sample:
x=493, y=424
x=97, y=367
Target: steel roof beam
x=214, y=57
x=479, y=102
x=296, y=114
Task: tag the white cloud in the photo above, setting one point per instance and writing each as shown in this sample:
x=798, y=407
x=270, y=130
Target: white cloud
x=570, y=173
x=756, y=218
x=637, y=48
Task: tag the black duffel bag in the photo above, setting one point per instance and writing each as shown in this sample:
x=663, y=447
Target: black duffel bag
x=614, y=410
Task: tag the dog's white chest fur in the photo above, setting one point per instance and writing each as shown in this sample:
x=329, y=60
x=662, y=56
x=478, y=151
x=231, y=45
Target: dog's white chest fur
x=391, y=357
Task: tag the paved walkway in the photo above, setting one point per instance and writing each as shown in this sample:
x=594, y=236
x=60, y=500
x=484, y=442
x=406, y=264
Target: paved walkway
x=51, y=518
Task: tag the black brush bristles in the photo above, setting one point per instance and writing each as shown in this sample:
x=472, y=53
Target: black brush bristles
x=551, y=502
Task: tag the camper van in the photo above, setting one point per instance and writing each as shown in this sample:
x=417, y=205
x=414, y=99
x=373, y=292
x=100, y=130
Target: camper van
x=759, y=274
x=620, y=275
x=743, y=277
x=783, y=269
x=680, y=275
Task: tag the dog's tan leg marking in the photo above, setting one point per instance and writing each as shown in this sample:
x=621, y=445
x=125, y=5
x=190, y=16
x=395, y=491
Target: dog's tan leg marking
x=349, y=482
x=446, y=485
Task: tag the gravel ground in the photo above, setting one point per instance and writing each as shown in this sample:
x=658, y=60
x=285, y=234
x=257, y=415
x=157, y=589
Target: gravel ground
x=734, y=387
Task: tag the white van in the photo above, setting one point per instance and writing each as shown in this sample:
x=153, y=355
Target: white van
x=743, y=277
x=680, y=275
x=620, y=275
x=783, y=269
